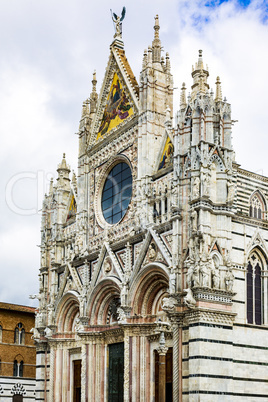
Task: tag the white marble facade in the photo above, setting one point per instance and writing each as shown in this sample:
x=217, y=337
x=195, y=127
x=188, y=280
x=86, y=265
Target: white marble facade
x=174, y=271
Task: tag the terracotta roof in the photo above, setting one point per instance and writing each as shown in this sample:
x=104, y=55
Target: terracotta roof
x=130, y=74
x=17, y=307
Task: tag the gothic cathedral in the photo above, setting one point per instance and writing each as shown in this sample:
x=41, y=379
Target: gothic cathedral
x=153, y=277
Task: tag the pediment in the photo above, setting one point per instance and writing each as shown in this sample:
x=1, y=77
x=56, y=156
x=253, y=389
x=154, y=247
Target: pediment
x=118, y=100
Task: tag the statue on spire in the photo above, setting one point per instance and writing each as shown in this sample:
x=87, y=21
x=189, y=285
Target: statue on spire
x=118, y=22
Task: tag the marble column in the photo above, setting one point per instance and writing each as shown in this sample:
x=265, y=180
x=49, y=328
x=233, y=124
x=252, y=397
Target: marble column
x=162, y=351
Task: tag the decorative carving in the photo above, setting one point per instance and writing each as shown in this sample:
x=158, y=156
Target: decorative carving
x=169, y=304
x=18, y=389
x=189, y=299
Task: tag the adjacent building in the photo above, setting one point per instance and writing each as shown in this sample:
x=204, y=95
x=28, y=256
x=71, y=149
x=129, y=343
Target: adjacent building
x=153, y=277
x=17, y=353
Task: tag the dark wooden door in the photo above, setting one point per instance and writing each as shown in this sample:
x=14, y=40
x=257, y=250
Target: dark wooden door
x=116, y=373
x=77, y=380
x=17, y=398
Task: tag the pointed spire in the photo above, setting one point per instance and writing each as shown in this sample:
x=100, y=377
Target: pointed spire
x=93, y=95
x=167, y=63
x=183, y=103
x=149, y=56
x=156, y=45
x=63, y=171
x=74, y=182
x=218, y=96
x=200, y=76
x=51, y=186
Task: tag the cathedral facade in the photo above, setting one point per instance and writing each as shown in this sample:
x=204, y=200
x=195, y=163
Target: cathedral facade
x=153, y=277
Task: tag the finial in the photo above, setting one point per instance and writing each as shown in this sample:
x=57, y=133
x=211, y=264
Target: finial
x=200, y=59
x=156, y=27
x=150, y=56
x=200, y=75
x=167, y=63
x=156, y=45
x=183, y=96
x=218, y=96
x=93, y=95
x=51, y=186
x=94, y=82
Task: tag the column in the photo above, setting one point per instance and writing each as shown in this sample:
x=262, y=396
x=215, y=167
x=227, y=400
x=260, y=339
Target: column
x=83, y=372
x=51, y=376
x=126, y=367
x=162, y=351
x=176, y=368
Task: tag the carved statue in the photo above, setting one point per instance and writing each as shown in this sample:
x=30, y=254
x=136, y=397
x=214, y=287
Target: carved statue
x=231, y=191
x=152, y=251
x=118, y=22
x=229, y=280
x=196, y=187
x=204, y=272
x=194, y=220
x=216, y=279
x=121, y=315
x=36, y=334
x=207, y=184
x=169, y=303
x=189, y=299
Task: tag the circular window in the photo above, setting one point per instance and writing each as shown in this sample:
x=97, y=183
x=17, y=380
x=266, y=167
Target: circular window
x=116, y=193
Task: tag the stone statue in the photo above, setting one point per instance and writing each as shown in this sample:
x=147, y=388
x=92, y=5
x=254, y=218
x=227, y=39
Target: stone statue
x=196, y=187
x=152, y=251
x=118, y=22
x=169, y=303
x=204, y=272
x=194, y=220
x=216, y=279
x=229, y=280
x=189, y=299
x=231, y=191
x=207, y=184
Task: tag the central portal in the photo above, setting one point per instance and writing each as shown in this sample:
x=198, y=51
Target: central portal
x=116, y=373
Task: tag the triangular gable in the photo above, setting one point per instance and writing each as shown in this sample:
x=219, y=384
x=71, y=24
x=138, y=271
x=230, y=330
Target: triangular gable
x=117, y=108
x=72, y=209
x=257, y=241
x=118, y=99
x=166, y=158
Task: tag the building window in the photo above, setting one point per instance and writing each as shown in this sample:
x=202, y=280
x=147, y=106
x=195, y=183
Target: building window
x=19, y=334
x=18, y=368
x=255, y=289
x=256, y=207
x=116, y=194
x=1, y=333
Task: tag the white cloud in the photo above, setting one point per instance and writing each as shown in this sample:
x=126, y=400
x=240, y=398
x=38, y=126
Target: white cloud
x=48, y=53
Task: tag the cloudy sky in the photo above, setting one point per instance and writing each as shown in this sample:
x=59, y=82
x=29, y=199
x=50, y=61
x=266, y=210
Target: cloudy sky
x=49, y=50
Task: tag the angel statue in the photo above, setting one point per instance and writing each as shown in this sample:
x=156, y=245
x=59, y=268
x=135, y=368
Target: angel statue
x=118, y=22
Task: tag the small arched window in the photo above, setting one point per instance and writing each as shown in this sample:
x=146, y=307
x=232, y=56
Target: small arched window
x=19, y=334
x=257, y=206
x=18, y=368
x=255, y=288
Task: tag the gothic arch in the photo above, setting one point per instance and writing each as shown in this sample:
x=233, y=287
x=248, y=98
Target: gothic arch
x=148, y=289
x=67, y=311
x=257, y=205
x=217, y=161
x=104, y=294
x=256, y=286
